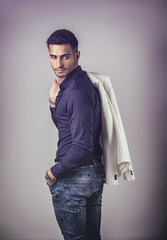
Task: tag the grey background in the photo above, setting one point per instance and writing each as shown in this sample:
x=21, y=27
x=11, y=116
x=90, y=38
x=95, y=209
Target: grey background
x=124, y=39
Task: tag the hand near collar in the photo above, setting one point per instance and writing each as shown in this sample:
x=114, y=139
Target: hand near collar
x=53, y=92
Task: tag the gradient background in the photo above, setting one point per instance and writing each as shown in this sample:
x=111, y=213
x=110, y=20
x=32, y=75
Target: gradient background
x=124, y=39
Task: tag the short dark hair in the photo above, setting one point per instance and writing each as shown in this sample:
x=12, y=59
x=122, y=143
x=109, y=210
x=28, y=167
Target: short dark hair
x=63, y=36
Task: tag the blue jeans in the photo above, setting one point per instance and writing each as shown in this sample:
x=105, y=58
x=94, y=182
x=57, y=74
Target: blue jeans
x=77, y=201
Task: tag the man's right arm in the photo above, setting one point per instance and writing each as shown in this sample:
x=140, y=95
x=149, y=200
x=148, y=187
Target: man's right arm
x=54, y=90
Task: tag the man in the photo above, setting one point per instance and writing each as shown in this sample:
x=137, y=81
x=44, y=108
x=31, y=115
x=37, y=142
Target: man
x=76, y=180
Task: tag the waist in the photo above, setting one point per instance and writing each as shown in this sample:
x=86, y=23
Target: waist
x=94, y=164
x=85, y=173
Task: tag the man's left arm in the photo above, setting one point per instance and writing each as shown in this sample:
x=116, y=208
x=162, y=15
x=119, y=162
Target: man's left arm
x=80, y=112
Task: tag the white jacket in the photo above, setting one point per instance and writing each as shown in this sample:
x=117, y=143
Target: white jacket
x=116, y=157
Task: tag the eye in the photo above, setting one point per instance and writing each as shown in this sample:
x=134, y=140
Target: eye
x=66, y=57
x=53, y=57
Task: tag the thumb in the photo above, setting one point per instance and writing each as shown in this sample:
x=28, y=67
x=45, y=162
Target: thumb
x=54, y=83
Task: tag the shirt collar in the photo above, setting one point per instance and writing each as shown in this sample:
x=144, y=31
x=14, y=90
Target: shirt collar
x=72, y=75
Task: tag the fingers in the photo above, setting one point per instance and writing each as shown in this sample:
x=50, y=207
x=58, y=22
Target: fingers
x=55, y=83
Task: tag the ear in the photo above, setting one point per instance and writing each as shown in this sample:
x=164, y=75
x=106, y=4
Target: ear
x=78, y=55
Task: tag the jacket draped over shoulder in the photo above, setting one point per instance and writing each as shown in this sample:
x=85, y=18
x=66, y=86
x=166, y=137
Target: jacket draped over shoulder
x=116, y=157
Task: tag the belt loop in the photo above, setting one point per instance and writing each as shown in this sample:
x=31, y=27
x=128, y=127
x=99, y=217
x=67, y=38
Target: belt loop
x=96, y=163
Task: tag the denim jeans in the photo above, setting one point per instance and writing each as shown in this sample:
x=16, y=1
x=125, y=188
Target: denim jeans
x=77, y=201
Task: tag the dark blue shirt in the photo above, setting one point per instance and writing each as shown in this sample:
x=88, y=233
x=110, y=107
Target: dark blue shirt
x=77, y=116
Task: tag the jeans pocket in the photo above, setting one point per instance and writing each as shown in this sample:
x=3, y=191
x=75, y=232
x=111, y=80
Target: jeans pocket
x=52, y=185
x=75, y=196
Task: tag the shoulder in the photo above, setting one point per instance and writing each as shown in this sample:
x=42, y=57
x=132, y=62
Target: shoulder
x=82, y=86
x=77, y=95
x=98, y=76
x=100, y=80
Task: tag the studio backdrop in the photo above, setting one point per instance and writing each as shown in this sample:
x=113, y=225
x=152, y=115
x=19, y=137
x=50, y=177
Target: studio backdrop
x=123, y=39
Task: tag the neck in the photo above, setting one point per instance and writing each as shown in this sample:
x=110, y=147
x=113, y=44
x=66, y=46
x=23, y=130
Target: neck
x=60, y=80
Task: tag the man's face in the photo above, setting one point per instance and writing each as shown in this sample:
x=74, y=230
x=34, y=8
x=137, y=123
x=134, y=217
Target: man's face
x=63, y=59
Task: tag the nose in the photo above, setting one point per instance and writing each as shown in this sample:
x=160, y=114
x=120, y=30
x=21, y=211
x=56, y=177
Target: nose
x=59, y=63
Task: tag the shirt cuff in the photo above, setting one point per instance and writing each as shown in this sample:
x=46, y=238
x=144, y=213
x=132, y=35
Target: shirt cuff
x=52, y=108
x=57, y=170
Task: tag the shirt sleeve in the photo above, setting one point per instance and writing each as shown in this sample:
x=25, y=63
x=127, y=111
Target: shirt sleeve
x=80, y=112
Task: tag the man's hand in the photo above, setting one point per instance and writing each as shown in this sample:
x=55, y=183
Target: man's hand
x=54, y=90
x=52, y=177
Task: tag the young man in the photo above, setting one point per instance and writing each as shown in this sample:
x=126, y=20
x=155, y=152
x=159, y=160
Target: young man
x=76, y=180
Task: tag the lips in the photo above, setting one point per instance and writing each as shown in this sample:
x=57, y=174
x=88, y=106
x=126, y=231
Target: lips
x=60, y=70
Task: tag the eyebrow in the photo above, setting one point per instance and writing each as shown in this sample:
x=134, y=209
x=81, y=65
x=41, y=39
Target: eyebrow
x=67, y=54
